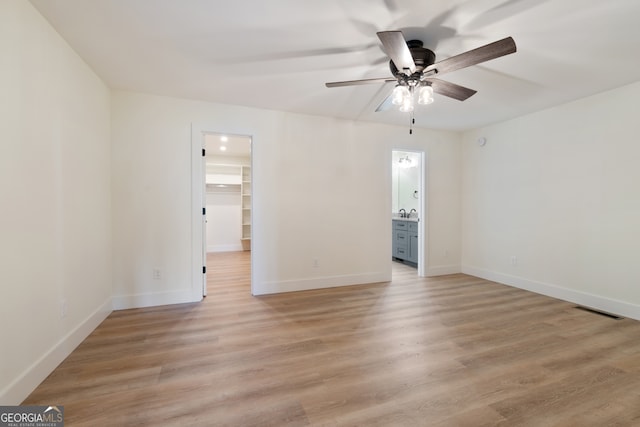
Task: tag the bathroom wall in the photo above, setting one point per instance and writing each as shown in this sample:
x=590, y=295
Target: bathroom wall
x=405, y=181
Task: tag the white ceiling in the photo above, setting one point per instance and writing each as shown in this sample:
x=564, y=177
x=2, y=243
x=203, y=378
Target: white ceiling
x=234, y=145
x=278, y=54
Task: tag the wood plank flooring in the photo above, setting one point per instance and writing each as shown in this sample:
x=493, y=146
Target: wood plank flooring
x=447, y=351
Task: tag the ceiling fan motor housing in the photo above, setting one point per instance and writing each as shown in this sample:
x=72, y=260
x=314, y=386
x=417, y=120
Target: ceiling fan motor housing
x=422, y=57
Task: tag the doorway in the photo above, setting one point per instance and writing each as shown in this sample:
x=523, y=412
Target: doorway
x=408, y=209
x=227, y=199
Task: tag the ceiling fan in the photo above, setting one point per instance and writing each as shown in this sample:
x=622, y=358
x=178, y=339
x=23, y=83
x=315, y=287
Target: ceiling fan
x=414, y=69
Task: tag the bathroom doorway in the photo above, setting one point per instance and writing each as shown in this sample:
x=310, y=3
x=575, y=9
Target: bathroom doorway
x=228, y=185
x=408, y=210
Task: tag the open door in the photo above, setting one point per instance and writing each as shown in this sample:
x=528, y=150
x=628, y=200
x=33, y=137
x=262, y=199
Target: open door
x=227, y=201
x=408, y=208
x=219, y=188
x=204, y=220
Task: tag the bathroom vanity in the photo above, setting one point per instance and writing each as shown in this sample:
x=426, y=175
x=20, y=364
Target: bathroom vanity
x=405, y=240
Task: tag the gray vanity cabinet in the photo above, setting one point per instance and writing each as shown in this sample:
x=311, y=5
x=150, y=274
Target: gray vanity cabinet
x=405, y=240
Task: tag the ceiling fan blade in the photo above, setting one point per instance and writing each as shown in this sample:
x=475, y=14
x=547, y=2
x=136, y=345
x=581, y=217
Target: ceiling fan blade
x=395, y=46
x=484, y=53
x=385, y=105
x=360, y=82
x=451, y=90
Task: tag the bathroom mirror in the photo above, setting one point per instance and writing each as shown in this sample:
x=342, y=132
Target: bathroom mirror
x=405, y=173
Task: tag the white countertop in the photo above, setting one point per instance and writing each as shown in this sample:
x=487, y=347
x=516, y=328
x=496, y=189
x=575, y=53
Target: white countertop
x=412, y=219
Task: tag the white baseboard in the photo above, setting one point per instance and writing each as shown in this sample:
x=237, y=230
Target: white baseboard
x=443, y=270
x=25, y=383
x=319, y=283
x=609, y=305
x=123, y=302
x=225, y=248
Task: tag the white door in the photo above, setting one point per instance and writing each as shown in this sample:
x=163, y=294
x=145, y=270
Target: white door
x=204, y=220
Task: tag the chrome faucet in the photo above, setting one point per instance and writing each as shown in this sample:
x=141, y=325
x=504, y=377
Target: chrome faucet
x=403, y=213
x=412, y=211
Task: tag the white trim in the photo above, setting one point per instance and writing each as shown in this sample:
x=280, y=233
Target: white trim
x=443, y=270
x=423, y=259
x=25, y=383
x=225, y=248
x=609, y=305
x=197, y=229
x=423, y=266
x=324, y=282
x=198, y=130
x=124, y=302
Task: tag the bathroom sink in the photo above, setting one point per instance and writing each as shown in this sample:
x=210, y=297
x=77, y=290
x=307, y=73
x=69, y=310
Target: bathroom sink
x=412, y=219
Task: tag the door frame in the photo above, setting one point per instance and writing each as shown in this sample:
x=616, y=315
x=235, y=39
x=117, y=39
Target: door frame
x=422, y=203
x=198, y=202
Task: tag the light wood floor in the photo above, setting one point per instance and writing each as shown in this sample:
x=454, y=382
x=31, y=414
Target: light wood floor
x=447, y=351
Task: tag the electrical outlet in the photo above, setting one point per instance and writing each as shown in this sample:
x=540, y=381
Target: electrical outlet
x=63, y=308
x=514, y=260
x=316, y=263
x=156, y=274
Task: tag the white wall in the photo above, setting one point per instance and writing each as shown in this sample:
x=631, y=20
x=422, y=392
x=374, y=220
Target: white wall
x=405, y=181
x=443, y=206
x=55, y=191
x=224, y=220
x=558, y=189
x=322, y=190
x=224, y=205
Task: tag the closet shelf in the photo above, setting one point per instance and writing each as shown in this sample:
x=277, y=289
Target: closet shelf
x=245, y=174
x=223, y=189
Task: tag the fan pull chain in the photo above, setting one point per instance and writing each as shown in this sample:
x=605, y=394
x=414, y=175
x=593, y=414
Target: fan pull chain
x=412, y=121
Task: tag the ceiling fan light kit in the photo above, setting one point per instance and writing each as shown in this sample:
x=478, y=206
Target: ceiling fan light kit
x=399, y=94
x=413, y=68
x=425, y=95
x=404, y=96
